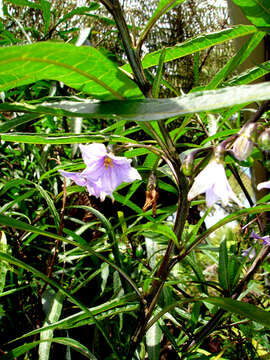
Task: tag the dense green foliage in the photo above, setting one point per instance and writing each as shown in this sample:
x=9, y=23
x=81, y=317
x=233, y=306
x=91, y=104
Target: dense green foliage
x=162, y=271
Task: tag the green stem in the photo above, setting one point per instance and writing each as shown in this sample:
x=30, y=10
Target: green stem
x=114, y=8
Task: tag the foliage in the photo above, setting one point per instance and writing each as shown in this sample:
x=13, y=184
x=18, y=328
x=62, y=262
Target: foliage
x=143, y=276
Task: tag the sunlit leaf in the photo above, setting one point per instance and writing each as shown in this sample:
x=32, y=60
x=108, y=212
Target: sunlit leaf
x=84, y=68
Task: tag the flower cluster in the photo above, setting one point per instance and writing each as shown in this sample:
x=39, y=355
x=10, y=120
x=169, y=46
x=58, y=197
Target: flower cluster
x=104, y=171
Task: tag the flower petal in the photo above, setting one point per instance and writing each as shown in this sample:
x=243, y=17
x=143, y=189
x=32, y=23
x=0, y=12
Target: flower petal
x=92, y=152
x=203, y=181
x=76, y=177
x=263, y=185
x=211, y=197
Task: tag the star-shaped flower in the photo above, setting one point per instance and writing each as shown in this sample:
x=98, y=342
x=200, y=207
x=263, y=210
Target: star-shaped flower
x=104, y=171
x=265, y=239
x=213, y=182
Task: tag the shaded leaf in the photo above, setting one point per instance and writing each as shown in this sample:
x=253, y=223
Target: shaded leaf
x=151, y=109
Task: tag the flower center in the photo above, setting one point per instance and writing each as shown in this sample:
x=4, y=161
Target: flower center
x=108, y=162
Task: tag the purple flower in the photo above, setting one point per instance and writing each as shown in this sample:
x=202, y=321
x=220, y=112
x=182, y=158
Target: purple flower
x=250, y=252
x=265, y=239
x=213, y=182
x=263, y=185
x=104, y=171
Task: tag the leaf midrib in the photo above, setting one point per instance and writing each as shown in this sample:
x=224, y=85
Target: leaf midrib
x=63, y=65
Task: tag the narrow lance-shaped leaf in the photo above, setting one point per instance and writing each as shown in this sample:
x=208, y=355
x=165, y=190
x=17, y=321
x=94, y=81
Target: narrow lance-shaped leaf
x=162, y=8
x=250, y=75
x=196, y=44
x=223, y=271
x=150, y=109
x=25, y=3
x=63, y=138
x=238, y=59
x=83, y=10
x=53, y=315
x=74, y=344
x=83, y=68
x=246, y=310
x=3, y=264
x=257, y=11
x=46, y=12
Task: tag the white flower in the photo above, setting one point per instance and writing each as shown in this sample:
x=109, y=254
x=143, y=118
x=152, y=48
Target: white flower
x=213, y=182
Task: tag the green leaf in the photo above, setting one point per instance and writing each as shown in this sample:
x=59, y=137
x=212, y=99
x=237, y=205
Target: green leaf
x=10, y=222
x=17, y=121
x=59, y=138
x=17, y=200
x=240, y=308
x=50, y=203
x=3, y=264
x=74, y=344
x=237, y=59
x=158, y=228
x=53, y=315
x=223, y=271
x=101, y=312
x=197, y=269
x=158, y=77
x=162, y=8
x=82, y=10
x=257, y=11
x=234, y=216
x=153, y=340
x=250, y=75
x=12, y=260
x=151, y=109
x=46, y=11
x=84, y=68
x=24, y=3
x=196, y=44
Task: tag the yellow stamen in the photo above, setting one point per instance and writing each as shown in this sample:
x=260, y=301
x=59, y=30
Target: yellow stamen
x=108, y=162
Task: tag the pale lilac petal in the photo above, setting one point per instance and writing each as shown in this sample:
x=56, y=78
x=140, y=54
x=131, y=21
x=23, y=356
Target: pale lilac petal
x=255, y=236
x=250, y=252
x=203, y=181
x=263, y=185
x=95, y=170
x=76, y=177
x=92, y=152
x=233, y=196
x=211, y=197
x=213, y=181
x=119, y=160
x=133, y=175
x=266, y=240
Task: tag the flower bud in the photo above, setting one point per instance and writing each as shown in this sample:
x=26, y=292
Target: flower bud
x=243, y=145
x=264, y=140
x=187, y=165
